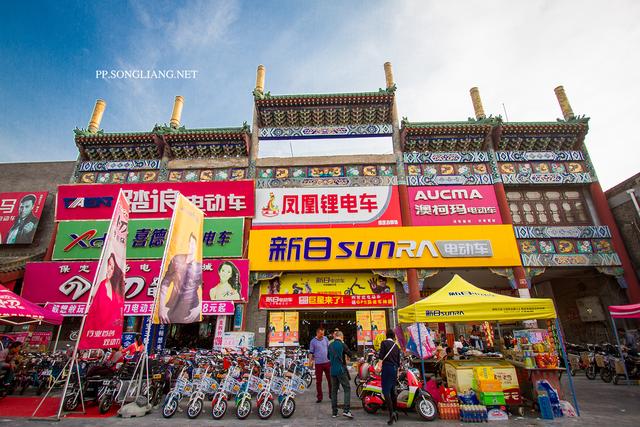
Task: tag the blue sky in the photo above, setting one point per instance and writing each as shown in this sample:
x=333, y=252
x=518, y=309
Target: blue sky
x=515, y=52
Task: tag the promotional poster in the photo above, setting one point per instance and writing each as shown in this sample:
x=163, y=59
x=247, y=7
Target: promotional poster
x=19, y=216
x=105, y=316
x=179, y=296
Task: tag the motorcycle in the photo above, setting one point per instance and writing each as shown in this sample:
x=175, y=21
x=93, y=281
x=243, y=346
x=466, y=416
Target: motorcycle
x=411, y=396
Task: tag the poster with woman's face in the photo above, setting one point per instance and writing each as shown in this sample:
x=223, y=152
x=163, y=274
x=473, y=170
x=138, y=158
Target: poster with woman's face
x=230, y=280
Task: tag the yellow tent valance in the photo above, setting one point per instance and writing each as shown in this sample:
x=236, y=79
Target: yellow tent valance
x=460, y=301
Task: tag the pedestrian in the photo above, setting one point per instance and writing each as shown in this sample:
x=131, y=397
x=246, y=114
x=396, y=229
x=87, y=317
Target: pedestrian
x=318, y=348
x=339, y=374
x=390, y=356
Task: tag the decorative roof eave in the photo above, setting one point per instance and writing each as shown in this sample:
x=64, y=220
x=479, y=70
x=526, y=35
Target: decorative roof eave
x=578, y=125
x=11, y=264
x=470, y=127
x=86, y=138
x=385, y=96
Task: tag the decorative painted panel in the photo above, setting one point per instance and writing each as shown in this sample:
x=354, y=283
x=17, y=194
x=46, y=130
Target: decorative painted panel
x=122, y=165
x=193, y=175
x=352, y=181
x=573, y=260
x=546, y=178
x=451, y=143
x=325, y=171
x=118, y=177
x=578, y=232
x=537, y=142
x=565, y=246
x=451, y=157
x=447, y=169
x=326, y=131
x=449, y=180
x=526, y=156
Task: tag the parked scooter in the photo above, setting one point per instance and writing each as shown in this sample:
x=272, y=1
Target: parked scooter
x=411, y=396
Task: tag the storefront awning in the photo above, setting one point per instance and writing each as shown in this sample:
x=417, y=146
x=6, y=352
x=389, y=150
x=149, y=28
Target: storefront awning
x=16, y=310
x=460, y=301
x=630, y=311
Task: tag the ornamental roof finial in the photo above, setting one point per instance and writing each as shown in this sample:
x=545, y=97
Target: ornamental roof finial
x=477, y=103
x=96, y=117
x=176, y=114
x=388, y=74
x=260, y=79
x=567, y=112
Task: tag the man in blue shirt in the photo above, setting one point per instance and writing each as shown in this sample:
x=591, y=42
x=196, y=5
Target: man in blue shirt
x=318, y=349
x=339, y=374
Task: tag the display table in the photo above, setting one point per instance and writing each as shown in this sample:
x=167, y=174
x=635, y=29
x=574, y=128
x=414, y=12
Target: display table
x=528, y=377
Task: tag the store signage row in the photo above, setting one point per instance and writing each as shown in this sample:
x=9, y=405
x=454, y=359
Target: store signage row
x=357, y=283
x=330, y=206
x=155, y=200
x=317, y=301
x=71, y=309
x=146, y=240
x=70, y=282
x=383, y=248
x=19, y=216
x=454, y=205
x=119, y=165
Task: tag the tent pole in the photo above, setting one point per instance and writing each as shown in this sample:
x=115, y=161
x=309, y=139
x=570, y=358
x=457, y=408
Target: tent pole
x=615, y=334
x=566, y=365
x=55, y=346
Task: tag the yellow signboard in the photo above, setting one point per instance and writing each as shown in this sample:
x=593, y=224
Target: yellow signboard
x=383, y=248
x=328, y=284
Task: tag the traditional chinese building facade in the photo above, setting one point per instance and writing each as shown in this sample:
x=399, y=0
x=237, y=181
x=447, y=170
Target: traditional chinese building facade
x=343, y=240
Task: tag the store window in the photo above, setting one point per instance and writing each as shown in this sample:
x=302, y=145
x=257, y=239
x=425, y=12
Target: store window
x=548, y=207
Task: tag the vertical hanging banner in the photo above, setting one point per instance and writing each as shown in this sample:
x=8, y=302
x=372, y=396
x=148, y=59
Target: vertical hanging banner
x=179, y=292
x=378, y=323
x=276, y=329
x=105, y=317
x=363, y=327
x=291, y=335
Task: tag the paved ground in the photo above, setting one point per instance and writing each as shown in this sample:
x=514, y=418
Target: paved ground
x=601, y=405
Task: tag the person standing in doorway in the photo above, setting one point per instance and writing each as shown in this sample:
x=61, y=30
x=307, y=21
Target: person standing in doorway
x=339, y=374
x=390, y=356
x=319, y=348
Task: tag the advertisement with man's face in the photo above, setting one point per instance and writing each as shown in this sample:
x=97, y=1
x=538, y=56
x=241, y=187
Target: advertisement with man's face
x=19, y=216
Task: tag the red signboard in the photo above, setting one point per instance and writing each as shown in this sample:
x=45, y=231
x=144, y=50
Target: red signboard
x=19, y=216
x=155, y=200
x=454, y=205
x=65, y=286
x=322, y=301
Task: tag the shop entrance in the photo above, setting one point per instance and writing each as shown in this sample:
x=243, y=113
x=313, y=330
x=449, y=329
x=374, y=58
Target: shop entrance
x=344, y=320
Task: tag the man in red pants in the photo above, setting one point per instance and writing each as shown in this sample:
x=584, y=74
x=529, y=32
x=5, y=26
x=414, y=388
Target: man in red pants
x=319, y=348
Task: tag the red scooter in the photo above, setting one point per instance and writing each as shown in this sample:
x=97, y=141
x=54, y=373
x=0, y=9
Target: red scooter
x=411, y=396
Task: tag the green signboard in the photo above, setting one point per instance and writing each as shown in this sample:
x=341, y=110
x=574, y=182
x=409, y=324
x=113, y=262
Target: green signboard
x=83, y=239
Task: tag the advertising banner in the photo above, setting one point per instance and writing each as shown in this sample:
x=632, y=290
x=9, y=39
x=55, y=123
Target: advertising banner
x=19, y=216
x=179, y=298
x=222, y=238
x=357, y=283
x=327, y=207
x=383, y=248
x=291, y=334
x=276, y=329
x=221, y=324
x=104, y=322
x=316, y=301
x=155, y=200
x=454, y=205
x=36, y=341
x=363, y=327
x=378, y=323
x=65, y=286
x=238, y=340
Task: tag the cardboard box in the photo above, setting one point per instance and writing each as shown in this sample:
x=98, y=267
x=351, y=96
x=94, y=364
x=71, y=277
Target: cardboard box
x=460, y=373
x=489, y=386
x=491, y=398
x=481, y=373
